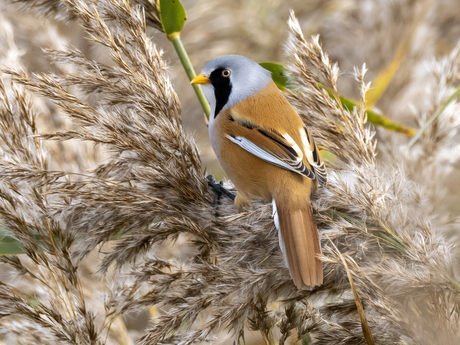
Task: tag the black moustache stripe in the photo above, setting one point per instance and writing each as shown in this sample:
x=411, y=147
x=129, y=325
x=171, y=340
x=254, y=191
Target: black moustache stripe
x=222, y=89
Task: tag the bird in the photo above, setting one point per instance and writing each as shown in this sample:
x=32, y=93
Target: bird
x=268, y=153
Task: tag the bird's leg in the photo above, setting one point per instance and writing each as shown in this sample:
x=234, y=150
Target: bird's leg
x=218, y=190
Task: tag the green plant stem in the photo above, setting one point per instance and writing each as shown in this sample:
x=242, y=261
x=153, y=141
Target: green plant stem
x=184, y=59
x=427, y=124
x=271, y=338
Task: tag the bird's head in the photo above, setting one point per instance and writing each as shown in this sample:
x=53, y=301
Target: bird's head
x=231, y=79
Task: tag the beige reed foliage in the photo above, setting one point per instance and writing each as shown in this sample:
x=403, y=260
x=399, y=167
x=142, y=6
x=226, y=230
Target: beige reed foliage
x=227, y=273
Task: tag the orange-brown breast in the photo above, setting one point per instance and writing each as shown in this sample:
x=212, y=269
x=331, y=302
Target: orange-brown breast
x=251, y=175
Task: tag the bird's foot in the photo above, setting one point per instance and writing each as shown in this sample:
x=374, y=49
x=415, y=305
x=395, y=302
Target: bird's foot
x=218, y=190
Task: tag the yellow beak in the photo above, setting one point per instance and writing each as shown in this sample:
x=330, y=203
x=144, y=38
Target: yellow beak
x=200, y=79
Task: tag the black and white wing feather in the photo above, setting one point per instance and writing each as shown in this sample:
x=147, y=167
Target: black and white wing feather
x=314, y=157
x=270, y=146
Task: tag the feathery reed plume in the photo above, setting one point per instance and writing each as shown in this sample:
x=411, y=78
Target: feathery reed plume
x=61, y=10
x=227, y=274
x=365, y=211
x=437, y=151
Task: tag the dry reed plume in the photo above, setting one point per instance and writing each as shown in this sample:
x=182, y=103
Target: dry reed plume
x=138, y=229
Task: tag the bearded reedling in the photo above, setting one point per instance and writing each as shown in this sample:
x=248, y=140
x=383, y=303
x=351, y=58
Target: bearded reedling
x=267, y=152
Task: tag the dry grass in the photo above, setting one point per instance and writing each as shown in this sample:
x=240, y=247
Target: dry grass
x=136, y=229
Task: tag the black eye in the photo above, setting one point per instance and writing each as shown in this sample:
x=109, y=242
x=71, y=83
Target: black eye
x=226, y=73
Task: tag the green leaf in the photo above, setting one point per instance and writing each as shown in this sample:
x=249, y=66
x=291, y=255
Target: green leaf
x=328, y=156
x=10, y=246
x=392, y=239
x=278, y=74
x=172, y=16
x=306, y=340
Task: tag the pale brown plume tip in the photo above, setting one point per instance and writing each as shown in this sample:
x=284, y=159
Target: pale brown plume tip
x=299, y=242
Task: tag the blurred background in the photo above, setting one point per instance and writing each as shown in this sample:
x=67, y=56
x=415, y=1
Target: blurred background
x=406, y=34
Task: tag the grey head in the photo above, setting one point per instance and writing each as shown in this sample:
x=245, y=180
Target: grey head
x=231, y=79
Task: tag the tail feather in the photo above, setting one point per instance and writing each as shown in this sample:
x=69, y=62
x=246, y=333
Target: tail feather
x=299, y=242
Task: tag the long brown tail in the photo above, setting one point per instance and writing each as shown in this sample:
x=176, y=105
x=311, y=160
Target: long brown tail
x=299, y=242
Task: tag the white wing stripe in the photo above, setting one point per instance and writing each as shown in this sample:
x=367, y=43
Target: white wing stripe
x=262, y=154
x=294, y=146
x=257, y=151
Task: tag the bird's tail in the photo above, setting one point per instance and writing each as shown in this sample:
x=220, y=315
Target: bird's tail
x=299, y=242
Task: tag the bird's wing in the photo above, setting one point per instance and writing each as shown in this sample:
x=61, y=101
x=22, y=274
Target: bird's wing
x=314, y=157
x=269, y=145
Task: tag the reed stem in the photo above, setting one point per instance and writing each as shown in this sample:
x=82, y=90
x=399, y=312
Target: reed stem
x=188, y=67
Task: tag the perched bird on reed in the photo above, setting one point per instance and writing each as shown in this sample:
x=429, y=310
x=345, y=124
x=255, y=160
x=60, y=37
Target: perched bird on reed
x=267, y=152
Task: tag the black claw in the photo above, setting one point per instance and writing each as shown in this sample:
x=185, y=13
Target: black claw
x=218, y=190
